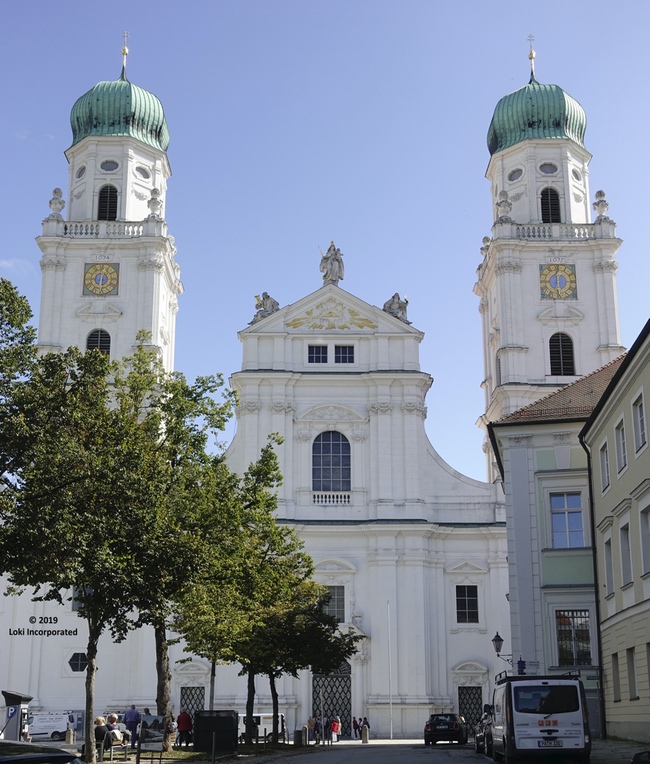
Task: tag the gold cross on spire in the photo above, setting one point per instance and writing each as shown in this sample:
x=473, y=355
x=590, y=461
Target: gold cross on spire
x=125, y=50
x=531, y=55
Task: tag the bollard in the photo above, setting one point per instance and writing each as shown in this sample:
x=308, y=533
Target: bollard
x=364, y=734
x=69, y=736
x=305, y=735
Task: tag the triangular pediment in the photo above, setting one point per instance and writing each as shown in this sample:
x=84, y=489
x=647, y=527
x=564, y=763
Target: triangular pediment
x=330, y=309
x=466, y=567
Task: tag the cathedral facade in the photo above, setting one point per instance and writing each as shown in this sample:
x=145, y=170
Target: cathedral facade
x=414, y=553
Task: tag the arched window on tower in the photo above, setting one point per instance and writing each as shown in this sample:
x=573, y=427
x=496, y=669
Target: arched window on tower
x=107, y=203
x=550, y=206
x=330, y=463
x=100, y=340
x=561, y=353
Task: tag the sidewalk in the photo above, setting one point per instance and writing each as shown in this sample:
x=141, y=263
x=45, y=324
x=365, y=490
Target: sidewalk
x=608, y=751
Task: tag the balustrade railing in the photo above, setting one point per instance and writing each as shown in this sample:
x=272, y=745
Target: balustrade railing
x=103, y=228
x=557, y=231
x=336, y=499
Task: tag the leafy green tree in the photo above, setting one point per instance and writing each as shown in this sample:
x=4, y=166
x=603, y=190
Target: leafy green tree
x=101, y=487
x=299, y=635
x=17, y=354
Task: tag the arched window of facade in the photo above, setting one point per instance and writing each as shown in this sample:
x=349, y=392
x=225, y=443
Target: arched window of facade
x=330, y=463
x=561, y=353
x=107, y=203
x=550, y=206
x=100, y=340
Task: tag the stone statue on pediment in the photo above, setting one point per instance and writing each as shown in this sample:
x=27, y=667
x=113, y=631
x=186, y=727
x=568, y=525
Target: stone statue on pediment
x=265, y=305
x=397, y=307
x=331, y=265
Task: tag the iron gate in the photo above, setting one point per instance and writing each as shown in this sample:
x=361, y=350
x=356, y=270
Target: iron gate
x=335, y=691
x=470, y=706
x=192, y=699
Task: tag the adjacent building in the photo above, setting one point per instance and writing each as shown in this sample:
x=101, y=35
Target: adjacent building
x=616, y=439
x=554, y=625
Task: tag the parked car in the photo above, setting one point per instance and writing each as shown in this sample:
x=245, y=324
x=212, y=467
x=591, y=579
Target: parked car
x=15, y=752
x=483, y=735
x=448, y=727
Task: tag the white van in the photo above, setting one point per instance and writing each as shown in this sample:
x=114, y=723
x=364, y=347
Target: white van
x=263, y=727
x=537, y=717
x=52, y=725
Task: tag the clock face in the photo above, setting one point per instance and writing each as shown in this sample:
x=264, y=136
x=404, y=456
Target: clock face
x=557, y=281
x=101, y=278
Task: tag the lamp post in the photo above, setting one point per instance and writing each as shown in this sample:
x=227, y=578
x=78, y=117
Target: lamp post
x=497, y=643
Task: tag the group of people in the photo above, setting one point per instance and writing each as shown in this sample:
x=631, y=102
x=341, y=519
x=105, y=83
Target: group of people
x=325, y=729
x=359, y=724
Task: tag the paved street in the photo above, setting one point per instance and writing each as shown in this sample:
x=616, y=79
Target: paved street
x=407, y=751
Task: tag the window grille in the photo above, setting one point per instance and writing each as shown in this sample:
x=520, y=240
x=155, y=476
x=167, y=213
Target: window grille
x=107, y=203
x=78, y=662
x=573, y=637
x=550, y=200
x=561, y=355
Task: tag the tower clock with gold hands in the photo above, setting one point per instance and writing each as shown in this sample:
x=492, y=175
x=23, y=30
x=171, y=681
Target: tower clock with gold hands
x=557, y=281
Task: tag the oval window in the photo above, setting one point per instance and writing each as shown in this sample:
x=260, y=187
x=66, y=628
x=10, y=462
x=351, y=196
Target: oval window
x=109, y=165
x=576, y=174
x=548, y=168
x=81, y=172
x=515, y=174
x=143, y=172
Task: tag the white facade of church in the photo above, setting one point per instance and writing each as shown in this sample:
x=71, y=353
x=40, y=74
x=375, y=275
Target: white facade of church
x=415, y=553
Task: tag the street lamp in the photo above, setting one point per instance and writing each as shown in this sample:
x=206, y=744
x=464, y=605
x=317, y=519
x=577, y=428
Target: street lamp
x=497, y=643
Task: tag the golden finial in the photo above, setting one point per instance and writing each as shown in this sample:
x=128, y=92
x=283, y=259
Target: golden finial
x=531, y=56
x=125, y=51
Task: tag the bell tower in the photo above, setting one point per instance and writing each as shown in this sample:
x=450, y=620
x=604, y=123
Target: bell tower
x=108, y=268
x=547, y=280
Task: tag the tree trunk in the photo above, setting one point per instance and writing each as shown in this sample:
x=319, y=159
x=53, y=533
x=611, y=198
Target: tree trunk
x=250, y=706
x=164, y=682
x=94, y=632
x=213, y=671
x=276, y=715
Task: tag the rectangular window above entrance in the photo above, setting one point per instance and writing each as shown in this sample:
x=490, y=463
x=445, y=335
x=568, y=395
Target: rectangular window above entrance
x=317, y=354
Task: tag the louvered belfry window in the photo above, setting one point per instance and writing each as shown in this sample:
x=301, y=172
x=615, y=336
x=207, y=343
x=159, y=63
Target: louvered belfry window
x=100, y=340
x=107, y=203
x=550, y=206
x=561, y=352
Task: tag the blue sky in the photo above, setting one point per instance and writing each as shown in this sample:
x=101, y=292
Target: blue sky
x=294, y=122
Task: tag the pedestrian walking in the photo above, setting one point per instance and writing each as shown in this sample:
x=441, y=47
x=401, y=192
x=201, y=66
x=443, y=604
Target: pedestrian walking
x=355, y=727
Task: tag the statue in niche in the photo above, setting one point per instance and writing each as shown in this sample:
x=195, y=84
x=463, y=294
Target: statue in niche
x=265, y=306
x=397, y=307
x=331, y=265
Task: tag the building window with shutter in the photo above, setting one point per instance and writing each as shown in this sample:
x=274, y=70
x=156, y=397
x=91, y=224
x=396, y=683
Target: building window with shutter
x=561, y=355
x=550, y=201
x=107, y=203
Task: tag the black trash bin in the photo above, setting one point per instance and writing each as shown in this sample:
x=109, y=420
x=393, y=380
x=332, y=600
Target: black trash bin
x=218, y=726
x=297, y=737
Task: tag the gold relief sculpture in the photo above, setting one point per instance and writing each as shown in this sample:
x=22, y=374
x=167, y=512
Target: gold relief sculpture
x=331, y=314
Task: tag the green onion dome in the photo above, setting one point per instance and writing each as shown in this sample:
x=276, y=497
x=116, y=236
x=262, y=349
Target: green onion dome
x=536, y=111
x=120, y=108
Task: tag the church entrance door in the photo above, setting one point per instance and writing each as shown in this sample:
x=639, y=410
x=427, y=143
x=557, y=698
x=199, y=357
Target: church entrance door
x=332, y=696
